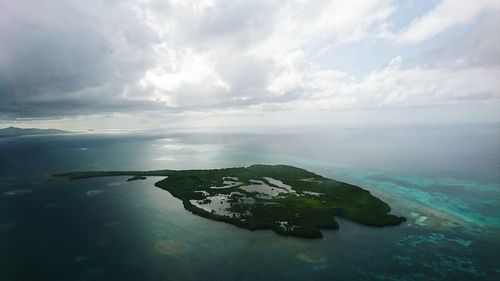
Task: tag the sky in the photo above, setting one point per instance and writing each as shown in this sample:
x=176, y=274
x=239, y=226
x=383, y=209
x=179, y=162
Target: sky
x=146, y=64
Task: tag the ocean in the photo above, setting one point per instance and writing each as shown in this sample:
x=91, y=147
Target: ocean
x=444, y=178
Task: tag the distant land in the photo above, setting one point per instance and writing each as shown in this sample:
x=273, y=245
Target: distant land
x=15, y=132
x=287, y=200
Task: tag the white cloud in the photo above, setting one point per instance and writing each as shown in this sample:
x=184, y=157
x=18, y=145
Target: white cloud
x=320, y=25
x=183, y=68
x=446, y=14
x=392, y=86
x=235, y=53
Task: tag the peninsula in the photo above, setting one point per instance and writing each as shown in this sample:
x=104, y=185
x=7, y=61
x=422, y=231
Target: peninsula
x=288, y=200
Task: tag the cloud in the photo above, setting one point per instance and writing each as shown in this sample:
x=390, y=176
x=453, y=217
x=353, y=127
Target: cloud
x=392, y=86
x=66, y=54
x=66, y=58
x=447, y=14
x=477, y=47
x=235, y=53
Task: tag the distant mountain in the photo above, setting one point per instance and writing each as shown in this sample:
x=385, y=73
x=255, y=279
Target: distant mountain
x=14, y=132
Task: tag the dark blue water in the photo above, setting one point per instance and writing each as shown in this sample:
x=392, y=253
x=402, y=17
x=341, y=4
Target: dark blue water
x=444, y=179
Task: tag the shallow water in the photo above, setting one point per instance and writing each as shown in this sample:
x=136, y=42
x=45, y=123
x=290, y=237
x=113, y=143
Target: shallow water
x=445, y=180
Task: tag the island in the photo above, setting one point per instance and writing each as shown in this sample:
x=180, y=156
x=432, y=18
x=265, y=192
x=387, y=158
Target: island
x=16, y=132
x=287, y=200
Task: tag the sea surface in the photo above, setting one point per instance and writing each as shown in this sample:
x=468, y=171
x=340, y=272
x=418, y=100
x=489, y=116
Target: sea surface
x=444, y=178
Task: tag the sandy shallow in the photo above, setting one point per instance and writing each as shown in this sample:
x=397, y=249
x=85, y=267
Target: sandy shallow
x=93, y=192
x=168, y=247
x=312, y=257
x=17, y=192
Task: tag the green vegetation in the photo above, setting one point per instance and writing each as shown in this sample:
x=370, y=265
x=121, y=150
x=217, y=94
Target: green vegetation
x=285, y=199
x=134, y=178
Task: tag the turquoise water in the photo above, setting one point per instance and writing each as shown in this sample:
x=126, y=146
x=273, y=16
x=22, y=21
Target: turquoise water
x=107, y=228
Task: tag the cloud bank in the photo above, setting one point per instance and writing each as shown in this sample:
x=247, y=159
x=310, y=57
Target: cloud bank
x=60, y=59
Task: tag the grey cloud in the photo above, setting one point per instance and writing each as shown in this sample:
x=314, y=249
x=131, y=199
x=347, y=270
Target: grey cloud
x=52, y=50
x=227, y=23
x=63, y=57
x=78, y=106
